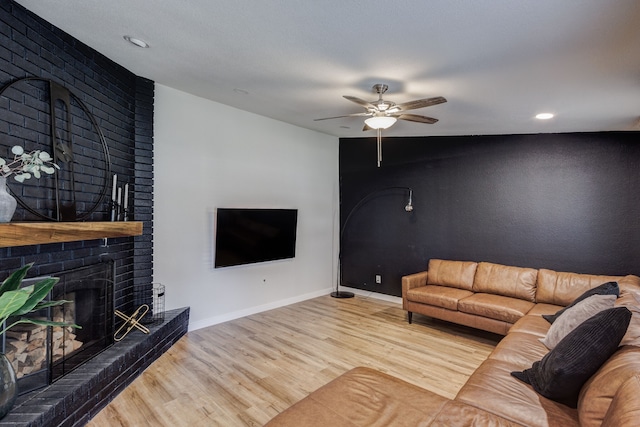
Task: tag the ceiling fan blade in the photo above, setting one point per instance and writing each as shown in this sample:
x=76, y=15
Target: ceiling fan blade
x=347, y=115
x=420, y=103
x=417, y=118
x=365, y=104
x=366, y=128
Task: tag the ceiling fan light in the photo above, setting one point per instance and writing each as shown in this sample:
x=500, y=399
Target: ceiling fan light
x=381, y=122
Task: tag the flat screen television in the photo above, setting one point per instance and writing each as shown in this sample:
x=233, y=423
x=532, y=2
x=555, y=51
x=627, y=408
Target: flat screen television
x=247, y=236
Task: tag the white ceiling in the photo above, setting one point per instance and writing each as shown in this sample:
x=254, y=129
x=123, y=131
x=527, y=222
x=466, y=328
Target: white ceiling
x=498, y=62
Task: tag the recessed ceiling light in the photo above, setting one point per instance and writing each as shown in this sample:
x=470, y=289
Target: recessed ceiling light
x=544, y=116
x=137, y=42
x=241, y=91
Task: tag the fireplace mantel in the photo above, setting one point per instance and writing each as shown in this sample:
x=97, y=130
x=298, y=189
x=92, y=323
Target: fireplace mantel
x=36, y=233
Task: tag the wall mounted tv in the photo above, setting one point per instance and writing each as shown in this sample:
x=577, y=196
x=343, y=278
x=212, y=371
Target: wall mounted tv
x=247, y=236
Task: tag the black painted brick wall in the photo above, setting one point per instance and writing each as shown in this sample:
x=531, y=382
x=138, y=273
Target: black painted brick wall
x=122, y=104
x=143, y=190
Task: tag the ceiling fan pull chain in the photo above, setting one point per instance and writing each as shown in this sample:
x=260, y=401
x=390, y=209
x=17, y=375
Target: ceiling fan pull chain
x=379, y=146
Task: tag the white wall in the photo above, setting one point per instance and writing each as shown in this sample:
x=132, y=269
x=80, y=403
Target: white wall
x=208, y=155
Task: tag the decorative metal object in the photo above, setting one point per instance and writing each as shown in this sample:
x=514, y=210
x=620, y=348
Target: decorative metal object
x=131, y=322
x=66, y=111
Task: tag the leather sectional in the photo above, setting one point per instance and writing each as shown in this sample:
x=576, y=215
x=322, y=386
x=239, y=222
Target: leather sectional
x=510, y=301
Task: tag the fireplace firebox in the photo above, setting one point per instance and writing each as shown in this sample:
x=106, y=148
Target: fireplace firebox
x=40, y=355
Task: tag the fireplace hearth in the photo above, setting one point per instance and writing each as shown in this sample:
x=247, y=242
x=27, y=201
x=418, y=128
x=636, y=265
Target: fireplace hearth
x=67, y=375
x=77, y=397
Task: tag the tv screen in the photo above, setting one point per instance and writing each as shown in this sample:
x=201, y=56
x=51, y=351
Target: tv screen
x=247, y=236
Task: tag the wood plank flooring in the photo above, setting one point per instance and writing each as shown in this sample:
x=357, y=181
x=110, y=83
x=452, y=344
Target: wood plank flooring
x=244, y=372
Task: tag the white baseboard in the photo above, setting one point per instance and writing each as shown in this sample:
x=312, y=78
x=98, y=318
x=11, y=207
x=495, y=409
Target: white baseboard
x=288, y=301
x=371, y=294
x=257, y=309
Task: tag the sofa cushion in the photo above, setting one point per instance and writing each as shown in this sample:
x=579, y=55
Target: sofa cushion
x=459, y=317
x=562, y=288
x=504, y=280
x=631, y=300
x=440, y=296
x=519, y=349
x=491, y=388
x=625, y=408
x=462, y=415
x=495, y=307
x=608, y=288
x=574, y=316
x=363, y=397
x=597, y=394
x=531, y=324
x=457, y=274
x=542, y=308
x=629, y=282
x=563, y=371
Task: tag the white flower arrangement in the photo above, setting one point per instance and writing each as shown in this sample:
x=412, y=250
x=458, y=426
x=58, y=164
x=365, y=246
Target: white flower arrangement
x=24, y=165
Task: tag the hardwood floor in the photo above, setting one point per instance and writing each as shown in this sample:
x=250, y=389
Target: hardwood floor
x=244, y=372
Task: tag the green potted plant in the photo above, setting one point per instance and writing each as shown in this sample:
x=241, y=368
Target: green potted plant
x=16, y=302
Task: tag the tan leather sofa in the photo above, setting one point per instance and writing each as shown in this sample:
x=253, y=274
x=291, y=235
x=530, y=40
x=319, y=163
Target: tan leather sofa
x=502, y=299
x=491, y=296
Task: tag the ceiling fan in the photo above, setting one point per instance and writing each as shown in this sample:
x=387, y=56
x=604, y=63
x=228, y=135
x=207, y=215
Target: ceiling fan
x=382, y=114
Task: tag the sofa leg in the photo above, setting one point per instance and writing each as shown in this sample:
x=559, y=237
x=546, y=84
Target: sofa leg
x=409, y=316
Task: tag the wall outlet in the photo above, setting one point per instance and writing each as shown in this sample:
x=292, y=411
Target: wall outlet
x=378, y=279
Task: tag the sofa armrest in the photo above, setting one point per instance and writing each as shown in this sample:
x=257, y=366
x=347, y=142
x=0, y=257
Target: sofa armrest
x=413, y=281
x=625, y=408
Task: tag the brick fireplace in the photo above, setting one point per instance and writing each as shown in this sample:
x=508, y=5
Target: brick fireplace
x=122, y=105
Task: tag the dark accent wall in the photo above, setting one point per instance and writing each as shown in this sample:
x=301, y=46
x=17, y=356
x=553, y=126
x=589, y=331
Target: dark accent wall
x=567, y=202
x=122, y=104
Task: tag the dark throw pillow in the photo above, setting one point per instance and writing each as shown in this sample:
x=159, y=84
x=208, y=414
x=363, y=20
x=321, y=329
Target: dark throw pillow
x=563, y=371
x=609, y=288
